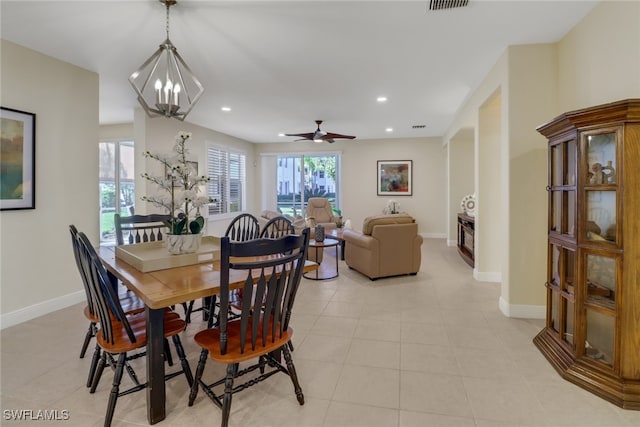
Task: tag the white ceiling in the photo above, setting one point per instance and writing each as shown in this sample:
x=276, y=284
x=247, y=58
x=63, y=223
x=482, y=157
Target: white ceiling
x=282, y=65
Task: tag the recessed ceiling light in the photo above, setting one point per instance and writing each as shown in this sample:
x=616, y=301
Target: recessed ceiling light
x=226, y=108
x=281, y=134
x=388, y=130
x=381, y=99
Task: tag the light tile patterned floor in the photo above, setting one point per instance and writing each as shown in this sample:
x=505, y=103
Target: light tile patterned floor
x=425, y=350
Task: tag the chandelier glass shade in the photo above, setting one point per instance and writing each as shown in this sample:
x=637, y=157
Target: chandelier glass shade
x=164, y=83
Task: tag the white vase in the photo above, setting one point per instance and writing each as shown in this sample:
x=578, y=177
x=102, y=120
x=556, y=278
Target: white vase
x=183, y=243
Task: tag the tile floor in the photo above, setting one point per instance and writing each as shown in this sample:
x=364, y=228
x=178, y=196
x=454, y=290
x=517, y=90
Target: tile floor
x=425, y=350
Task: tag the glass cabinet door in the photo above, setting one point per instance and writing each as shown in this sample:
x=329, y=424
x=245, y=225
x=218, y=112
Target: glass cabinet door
x=561, y=287
x=601, y=158
x=601, y=186
x=562, y=187
x=600, y=306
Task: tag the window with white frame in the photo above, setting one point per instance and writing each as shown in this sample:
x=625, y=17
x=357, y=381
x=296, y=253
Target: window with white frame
x=227, y=186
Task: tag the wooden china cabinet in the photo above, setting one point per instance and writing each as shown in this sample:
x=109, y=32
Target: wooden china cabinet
x=592, y=333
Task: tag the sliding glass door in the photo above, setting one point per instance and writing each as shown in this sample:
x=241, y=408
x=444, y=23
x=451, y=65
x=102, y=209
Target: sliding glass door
x=303, y=176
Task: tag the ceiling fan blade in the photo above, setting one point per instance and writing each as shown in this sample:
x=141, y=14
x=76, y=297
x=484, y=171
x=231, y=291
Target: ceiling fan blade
x=302, y=135
x=331, y=135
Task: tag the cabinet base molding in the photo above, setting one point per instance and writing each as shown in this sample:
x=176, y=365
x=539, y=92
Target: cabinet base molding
x=587, y=374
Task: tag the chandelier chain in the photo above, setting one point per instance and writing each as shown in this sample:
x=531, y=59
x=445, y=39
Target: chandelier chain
x=167, y=19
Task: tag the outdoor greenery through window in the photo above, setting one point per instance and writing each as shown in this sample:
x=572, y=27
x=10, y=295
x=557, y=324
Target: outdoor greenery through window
x=227, y=185
x=116, y=184
x=305, y=176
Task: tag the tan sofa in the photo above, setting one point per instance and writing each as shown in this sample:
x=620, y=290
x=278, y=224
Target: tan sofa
x=389, y=245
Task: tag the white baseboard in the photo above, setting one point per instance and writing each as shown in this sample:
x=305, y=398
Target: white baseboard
x=452, y=243
x=522, y=311
x=40, y=309
x=487, y=276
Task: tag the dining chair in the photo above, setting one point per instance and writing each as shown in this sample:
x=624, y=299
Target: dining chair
x=129, y=302
x=243, y=227
x=119, y=334
x=277, y=227
x=273, y=270
x=145, y=228
x=140, y=228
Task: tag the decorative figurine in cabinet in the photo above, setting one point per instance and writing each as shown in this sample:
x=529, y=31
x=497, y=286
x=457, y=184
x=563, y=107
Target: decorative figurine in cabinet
x=592, y=332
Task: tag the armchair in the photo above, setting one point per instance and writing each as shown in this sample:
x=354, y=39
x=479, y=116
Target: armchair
x=320, y=210
x=389, y=245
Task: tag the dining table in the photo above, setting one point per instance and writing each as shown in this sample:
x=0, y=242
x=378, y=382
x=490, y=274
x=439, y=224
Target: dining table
x=161, y=289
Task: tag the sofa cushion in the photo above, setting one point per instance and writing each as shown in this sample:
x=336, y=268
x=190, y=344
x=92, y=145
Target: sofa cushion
x=372, y=221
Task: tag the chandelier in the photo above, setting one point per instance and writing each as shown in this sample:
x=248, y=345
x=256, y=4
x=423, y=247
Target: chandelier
x=164, y=83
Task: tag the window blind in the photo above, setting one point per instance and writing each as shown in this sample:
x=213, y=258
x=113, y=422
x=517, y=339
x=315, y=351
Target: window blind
x=227, y=185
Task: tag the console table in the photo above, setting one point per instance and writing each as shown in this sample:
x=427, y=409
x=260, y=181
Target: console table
x=466, y=226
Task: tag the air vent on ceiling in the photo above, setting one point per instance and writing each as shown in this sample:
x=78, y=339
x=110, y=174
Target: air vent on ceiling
x=419, y=126
x=447, y=4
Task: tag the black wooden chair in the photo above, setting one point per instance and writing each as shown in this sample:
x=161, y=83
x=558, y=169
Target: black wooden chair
x=243, y=227
x=140, y=228
x=131, y=305
x=119, y=334
x=275, y=267
x=129, y=302
x=277, y=227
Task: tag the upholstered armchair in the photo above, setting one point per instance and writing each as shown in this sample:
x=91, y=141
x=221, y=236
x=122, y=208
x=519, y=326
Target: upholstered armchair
x=320, y=210
x=389, y=245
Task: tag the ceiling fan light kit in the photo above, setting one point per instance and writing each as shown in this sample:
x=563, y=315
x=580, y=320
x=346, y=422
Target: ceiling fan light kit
x=320, y=135
x=165, y=84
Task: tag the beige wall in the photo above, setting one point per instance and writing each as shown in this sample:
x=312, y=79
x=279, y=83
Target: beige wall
x=490, y=225
x=598, y=61
x=359, y=197
x=37, y=264
x=461, y=177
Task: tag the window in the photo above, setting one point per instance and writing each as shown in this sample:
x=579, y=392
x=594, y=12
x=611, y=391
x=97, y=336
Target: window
x=305, y=176
x=227, y=186
x=116, y=184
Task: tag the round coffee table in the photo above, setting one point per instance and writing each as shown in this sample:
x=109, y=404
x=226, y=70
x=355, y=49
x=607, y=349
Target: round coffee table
x=317, y=274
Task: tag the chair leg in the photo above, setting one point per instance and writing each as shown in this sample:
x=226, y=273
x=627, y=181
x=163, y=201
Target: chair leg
x=196, y=381
x=132, y=373
x=167, y=353
x=232, y=369
x=183, y=359
x=94, y=365
x=292, y=374
x=98, y=372
x=91, y=332
x=115, y=390
x=188, y=309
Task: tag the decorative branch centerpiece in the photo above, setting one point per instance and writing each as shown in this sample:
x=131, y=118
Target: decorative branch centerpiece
x=179, y=187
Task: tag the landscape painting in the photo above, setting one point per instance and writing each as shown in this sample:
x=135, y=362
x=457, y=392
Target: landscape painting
x=17, y=159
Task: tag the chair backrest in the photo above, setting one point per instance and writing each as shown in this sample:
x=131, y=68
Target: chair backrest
x=77, y=255
x=243, y=227
x=140, y=228
x=277, y=227
x=273, y=269
x=320, y=209
x=103, y=293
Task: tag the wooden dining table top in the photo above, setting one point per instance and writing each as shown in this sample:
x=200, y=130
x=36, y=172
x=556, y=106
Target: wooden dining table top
x=164, y=288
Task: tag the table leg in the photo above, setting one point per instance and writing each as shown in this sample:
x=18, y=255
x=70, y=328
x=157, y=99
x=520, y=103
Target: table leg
x=342, y=245
x=155, y=365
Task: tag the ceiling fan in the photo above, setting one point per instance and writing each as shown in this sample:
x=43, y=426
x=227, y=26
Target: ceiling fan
x=320, y=135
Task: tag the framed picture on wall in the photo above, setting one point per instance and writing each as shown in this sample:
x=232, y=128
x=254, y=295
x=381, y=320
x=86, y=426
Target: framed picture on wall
x=395, y=177
x=17, y=159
